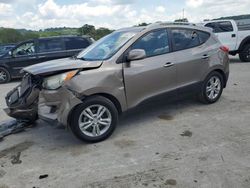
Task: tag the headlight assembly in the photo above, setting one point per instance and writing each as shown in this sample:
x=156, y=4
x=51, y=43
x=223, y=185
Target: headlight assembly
x=56, y=81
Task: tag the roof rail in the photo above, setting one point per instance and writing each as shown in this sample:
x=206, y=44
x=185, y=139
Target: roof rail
x=170, y=23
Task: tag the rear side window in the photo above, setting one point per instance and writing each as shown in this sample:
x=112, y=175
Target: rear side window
x=220, y=27
x=50, y=45
x=76, y=43
x=204, y=36
x=184, y=39
x=154, y=43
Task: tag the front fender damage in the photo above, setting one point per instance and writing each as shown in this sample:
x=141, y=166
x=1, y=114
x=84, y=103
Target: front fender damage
x=28, y=101
x=56, y=105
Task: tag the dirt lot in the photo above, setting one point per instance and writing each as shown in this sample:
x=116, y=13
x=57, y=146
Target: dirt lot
x=165, y=144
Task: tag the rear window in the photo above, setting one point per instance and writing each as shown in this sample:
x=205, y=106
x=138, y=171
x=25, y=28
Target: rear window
x=76, y=43
x=50, y=45
x=220, y=27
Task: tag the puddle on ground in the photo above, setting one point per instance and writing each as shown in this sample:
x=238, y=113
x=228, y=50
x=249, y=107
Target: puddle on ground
x=16, y=158
x=166, y=117
x=16, y=148
x=124, y=143
x=126, y=155
x=170, y=182
x=187, y=133
x=2, y=173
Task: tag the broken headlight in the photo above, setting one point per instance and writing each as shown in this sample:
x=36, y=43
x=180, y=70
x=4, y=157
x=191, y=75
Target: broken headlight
x=56, y=81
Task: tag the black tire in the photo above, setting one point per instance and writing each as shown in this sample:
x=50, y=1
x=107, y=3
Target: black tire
x=76, y=115
x=204, y=95
x=245, y=53
x=6, y=74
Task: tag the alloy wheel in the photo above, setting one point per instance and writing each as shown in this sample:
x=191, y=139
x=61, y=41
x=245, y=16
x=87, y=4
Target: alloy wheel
x=95, y=120
x=3, y=76
x=213, y=87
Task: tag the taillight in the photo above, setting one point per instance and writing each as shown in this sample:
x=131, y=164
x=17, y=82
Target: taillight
x=224, y=49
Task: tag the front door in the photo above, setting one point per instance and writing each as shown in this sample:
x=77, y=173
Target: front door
x=152, y=75
x=22, y=56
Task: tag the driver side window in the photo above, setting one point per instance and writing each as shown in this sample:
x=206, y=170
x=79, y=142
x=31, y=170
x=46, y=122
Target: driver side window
x=154, y=43
x=25, y=49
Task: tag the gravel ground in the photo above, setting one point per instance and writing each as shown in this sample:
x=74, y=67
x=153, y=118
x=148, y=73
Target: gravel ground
x=163, y=144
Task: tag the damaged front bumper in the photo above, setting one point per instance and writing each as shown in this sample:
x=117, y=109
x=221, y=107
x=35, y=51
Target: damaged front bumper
x=56, y=105
x=28, y=101
x=22, y=100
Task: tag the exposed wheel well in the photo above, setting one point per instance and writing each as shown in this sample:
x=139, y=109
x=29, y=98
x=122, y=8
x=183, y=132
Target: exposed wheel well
x=223, y=76
x=245, y=42
x=113, y=99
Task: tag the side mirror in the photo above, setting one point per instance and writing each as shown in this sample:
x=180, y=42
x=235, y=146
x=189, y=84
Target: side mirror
x=136, y=54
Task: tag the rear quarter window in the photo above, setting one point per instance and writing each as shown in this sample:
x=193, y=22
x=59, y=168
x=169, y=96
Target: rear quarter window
x=204, y=36
x=185, y=39
x=76, y=43
x=50, y=45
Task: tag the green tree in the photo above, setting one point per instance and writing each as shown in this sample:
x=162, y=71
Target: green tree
x=10, y=36
x=101, y=32
x=87, y=30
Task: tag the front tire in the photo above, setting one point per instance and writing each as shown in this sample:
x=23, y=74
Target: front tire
x=4, y=75
x=245, y=54
x=94, y=120
x=212, y=88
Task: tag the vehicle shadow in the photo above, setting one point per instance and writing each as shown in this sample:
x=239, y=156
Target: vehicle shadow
x=160, y=107
x=55, y=136
x=236, y=60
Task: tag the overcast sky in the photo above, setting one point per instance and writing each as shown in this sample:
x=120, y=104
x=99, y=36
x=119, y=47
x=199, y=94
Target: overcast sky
x=40, y=14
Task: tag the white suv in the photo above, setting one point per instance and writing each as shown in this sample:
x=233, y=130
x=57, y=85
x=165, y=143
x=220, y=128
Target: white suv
x=235, y=38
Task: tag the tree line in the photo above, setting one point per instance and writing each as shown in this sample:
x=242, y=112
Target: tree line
x=9, y=35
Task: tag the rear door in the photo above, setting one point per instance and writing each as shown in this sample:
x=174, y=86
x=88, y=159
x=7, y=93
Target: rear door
x=191, y=55
x=154, y=74
x=225, y=32
x=51, y=48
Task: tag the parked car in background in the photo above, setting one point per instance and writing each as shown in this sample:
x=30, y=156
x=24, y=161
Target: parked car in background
x=39, y=50
x=87, y=93
x=5, y=48
x=237, y=39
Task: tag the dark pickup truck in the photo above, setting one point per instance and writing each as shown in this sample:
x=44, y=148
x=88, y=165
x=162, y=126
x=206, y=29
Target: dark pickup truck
x=39, y=50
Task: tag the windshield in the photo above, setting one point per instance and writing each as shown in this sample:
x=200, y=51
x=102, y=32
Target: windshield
x=107, y=46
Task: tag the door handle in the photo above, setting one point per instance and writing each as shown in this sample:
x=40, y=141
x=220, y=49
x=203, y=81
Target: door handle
x=168, y=64
x=233, y=35
x=32, y=57
x=41, y=56
x=205, y=56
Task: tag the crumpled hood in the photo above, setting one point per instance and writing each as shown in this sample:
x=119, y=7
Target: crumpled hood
x=61, y=65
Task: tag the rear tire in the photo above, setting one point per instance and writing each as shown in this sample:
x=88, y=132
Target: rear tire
x=94, y=120
x=245, y=53
x=212, y=88
x=4, y=75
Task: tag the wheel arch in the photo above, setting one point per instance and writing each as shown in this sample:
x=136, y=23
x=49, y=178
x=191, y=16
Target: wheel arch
x=112, y=98
x=243, y=43
x=220, y=71
x=6, y=69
